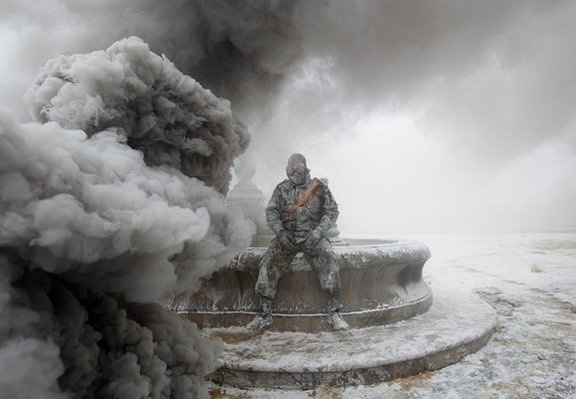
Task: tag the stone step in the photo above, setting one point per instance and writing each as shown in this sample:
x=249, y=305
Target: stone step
x=458, y=324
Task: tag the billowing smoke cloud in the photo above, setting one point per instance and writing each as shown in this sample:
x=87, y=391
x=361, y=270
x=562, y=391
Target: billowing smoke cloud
x=165, y=114
x=103, y=209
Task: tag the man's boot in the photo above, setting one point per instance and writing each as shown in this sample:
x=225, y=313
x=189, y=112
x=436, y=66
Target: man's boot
x=264, y=316
x=334, y=316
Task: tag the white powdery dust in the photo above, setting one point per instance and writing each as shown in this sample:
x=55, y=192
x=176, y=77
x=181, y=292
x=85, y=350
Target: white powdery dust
x=87, y=230
x=531, y=353
x=167, y=115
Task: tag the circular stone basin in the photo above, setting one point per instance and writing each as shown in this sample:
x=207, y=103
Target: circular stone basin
x=381, y=283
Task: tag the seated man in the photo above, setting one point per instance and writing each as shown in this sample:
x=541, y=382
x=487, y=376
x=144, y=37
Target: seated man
x=299, y=213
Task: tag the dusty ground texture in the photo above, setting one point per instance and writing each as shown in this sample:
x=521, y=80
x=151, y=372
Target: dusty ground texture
x=531, y=282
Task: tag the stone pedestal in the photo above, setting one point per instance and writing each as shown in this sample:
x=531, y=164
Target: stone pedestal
x=247, y=198
x=395, y=331
x=457, y=325
x=381, y=284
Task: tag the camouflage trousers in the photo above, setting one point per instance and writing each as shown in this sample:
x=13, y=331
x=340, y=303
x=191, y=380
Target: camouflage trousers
x=277, y=260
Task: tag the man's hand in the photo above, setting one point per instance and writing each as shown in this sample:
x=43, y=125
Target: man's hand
x=312, y=240
x=286, y=240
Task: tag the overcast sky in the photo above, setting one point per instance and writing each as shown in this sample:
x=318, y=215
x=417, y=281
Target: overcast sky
x=411, y=109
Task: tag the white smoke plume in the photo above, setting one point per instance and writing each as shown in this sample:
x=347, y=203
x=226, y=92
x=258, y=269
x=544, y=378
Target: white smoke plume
x=104, y=208
x=165, y=114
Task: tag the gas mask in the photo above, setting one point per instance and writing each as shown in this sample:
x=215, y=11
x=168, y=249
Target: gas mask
x=299, y=178
x=297, y=171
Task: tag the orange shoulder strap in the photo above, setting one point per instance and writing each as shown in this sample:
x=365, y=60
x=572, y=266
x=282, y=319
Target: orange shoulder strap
x=302, y=198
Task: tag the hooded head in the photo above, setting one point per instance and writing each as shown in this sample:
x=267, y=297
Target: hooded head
x=297, y=171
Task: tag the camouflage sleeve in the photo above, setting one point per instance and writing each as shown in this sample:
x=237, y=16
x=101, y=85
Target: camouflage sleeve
x=329, y=211
x=274, y=213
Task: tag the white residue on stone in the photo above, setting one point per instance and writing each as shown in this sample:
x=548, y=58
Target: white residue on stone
x=531, y=354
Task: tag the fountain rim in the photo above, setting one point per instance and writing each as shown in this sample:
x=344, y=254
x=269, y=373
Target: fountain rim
x=347, y=242
x=359, y=254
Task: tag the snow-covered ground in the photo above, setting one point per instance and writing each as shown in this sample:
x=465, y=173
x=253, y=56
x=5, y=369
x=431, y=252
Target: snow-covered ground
x=530, y=279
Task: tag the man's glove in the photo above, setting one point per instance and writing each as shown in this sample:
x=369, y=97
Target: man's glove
x=286, y=240
x=312, y=240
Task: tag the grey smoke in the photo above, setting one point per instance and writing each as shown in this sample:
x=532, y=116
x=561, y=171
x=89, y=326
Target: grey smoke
x=474, y=72
x=105, y=207
x=165, y=114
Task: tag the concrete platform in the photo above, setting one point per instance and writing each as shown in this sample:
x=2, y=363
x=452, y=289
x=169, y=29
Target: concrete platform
x=458, y=324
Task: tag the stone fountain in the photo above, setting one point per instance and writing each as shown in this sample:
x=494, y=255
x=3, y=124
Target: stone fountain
x=395, y=329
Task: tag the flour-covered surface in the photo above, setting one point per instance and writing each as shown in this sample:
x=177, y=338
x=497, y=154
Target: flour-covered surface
x=447, y=325
x=530, y=280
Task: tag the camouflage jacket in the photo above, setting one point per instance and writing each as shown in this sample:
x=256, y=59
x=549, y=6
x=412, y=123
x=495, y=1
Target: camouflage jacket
x=320, y=211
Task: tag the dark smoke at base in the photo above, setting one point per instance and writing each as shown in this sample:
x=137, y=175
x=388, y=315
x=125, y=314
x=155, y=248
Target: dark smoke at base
x=66, y=341
x=88, y=226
